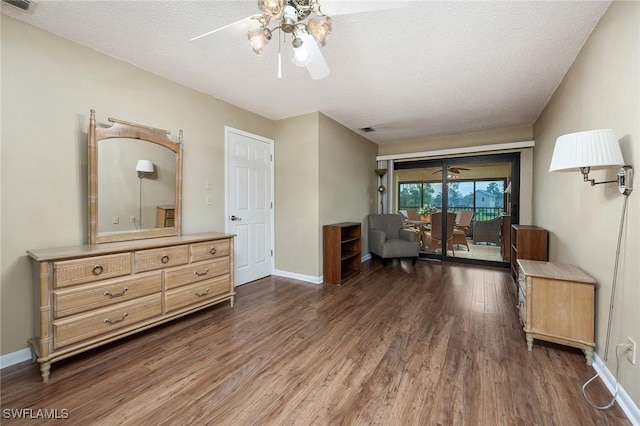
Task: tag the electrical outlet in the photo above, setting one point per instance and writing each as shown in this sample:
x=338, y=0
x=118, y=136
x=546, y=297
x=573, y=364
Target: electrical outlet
x=115, y=220
x=631, y=352
x=132, y=219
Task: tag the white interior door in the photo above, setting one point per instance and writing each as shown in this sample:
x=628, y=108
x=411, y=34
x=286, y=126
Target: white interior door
x=249, y=170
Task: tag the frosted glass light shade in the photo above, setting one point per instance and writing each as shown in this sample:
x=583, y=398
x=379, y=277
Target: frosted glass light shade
x=271, y=9
x=593, y=148
x=144, y=166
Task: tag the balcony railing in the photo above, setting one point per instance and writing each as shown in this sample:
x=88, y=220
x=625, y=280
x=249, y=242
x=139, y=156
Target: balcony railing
x=480, y=213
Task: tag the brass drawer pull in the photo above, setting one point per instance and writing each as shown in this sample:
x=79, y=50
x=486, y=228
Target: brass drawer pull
x=213, y=250
x=97, y=270
x=124, y=290
x=164, y=259
x=200, y=274
x=202, y=294
x=110, y=321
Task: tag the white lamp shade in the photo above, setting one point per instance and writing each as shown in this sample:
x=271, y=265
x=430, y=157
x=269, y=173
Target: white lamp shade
x=144, y=166
x=507, y=190
x=593, y=148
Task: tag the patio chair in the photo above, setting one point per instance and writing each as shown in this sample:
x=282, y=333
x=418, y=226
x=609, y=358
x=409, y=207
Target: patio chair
x=487, y=231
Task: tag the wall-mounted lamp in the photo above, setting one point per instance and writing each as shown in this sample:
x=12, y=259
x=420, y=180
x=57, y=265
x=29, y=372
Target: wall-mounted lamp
x=593, y=149
x=144, y=167
x=596, y=149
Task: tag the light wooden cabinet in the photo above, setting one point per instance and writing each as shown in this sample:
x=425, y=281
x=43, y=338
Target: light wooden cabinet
x=557, y=303
x=165, y=216
x=341, y=251
x=527, y=242
x=94, y=294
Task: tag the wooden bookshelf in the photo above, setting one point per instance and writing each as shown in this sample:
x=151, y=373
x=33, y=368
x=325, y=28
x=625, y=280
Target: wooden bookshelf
x=341, y=243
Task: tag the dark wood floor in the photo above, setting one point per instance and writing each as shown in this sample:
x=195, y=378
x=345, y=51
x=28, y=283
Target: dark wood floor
x=434, y=344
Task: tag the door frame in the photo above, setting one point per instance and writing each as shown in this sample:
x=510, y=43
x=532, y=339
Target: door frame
x=228, y=130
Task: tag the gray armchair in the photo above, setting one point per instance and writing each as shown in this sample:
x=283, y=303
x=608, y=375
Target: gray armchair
x=388, y=238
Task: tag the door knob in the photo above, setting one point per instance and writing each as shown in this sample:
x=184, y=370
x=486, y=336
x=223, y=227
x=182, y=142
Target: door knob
x=235, y=218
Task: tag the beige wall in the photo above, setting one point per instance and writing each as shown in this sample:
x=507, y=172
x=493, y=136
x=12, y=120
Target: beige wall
x=348, y=186
x=601, y=90
x=324, y=174
x=296, y=195
x=48, y=86
x=485, y=137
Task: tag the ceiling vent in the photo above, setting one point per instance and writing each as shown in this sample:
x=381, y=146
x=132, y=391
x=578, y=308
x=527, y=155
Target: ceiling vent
x=22, y=4
x=367, y=129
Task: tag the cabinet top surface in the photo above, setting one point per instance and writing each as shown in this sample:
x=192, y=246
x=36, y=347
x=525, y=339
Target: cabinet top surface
x=345, y=224
x=533, y=227
x=107, y=248
x=559, y=271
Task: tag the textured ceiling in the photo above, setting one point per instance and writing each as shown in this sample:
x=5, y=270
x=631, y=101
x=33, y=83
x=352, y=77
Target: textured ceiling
x=428, y=68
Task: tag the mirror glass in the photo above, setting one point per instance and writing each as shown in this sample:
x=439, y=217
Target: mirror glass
x=130, y=200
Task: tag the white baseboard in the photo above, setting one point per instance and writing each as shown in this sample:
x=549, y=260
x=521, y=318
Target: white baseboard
x=15, y=358
x=296, y=276
x=623, y=400
x=309, y=278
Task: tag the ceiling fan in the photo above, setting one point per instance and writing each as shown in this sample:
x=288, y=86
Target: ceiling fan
x=306, y=22
x=454, y=170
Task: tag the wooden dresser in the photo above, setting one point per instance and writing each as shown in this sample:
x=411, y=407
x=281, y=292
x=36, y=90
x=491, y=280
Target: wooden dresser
x=165, y=216
x=527, y=242
x=557, y=303
x=93, y=294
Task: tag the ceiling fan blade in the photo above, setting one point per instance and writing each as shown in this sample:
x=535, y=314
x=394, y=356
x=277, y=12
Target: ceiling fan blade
x=317, y=66
x=344, y=7
x=237, y=28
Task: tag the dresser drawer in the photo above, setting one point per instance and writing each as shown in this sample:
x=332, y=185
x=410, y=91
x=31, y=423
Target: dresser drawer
x=195, y=272
x=209, y=250
x=89, y=269
x=147, y=260
x=92, y=296
x=197, y=293
x=96, y=323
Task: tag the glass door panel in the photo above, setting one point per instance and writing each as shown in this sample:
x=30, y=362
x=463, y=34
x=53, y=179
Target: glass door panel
x=476, y=194
x=419, y=195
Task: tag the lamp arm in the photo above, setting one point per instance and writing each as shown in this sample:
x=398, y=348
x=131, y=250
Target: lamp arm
x=594, y=183
x=585, y=176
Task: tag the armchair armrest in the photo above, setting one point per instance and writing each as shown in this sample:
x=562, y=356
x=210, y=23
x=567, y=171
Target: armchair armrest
x=376, y=241
x=407, y=234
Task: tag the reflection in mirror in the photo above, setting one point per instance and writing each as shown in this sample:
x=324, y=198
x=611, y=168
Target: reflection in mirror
x=135, y=177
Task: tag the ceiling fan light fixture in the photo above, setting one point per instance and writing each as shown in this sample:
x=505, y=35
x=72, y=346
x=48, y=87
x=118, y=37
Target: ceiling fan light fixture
x=289, y=19
x=320, y=29
x=271, y=9
x=259, y=39
x=301, y=55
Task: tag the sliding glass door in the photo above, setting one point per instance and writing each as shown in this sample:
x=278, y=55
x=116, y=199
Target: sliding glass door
x=460, y=208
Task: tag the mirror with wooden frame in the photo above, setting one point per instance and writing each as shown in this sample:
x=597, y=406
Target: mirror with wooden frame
x=135, y=182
